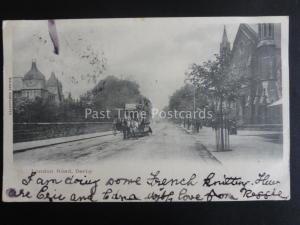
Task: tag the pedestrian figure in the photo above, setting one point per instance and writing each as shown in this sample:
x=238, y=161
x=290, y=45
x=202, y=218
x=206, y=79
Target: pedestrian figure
x=124, y=128
x=232, y=127
x=133, y=127
x=115, y=125
x=128, y=127
x=197, y=126
x=142, y=125
x=214, y=124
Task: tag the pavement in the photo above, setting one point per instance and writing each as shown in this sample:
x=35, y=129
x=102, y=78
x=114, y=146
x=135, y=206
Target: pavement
x=29, y=145
x=252, y=145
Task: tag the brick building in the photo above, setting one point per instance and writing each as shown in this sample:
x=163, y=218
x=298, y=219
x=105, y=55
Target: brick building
x=256, y=56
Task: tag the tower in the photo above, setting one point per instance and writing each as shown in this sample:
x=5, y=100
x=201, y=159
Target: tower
x=33, y=83
x=268, y=53
x=54, y=88
x=225, y=47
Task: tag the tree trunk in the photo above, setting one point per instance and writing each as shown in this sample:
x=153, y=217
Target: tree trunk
x=221, y=120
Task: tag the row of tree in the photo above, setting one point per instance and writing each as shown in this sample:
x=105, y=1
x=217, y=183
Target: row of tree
x=213, y=81
x=108, y=94
x=186, y=98
x=208, y=84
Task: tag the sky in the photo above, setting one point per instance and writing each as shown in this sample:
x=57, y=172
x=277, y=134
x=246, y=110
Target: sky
x=154, y=52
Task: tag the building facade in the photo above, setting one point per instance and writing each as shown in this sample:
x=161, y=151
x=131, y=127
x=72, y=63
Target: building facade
x=34, y=85
x=256, y=57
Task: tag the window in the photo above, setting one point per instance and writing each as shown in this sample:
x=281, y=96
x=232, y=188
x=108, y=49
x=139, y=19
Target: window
x=265, y=30
x=267, y=67
x=271, y=30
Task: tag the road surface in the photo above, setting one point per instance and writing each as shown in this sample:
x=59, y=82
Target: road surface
x=168, y=142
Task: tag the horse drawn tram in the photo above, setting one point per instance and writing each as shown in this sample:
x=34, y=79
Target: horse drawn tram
x=133, y=120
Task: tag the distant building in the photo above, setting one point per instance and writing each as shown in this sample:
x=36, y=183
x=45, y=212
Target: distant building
x=256, y=56
x=225, y=47
x=34, y=85
x=54, y=87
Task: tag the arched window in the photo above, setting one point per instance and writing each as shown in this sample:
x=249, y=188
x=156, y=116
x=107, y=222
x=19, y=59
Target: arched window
x=265, y=30
x=260, y=30
x=271, y=30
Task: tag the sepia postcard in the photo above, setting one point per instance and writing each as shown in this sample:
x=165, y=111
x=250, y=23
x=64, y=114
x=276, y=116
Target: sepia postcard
x=146, y=109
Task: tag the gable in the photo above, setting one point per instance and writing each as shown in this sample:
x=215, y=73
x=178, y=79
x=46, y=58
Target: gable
x=243, y=51
x=245, y=35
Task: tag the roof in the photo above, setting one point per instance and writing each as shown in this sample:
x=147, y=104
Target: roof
x=130, y=106
x=278, y=102
x=254, y=27
x=245, y=31
x=224, y=38
x=34, y=73
x=52, y=81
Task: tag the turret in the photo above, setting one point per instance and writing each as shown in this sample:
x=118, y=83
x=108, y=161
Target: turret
x=265, y=34
x=54, y=87
x=225, y=46
x=266, y=51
